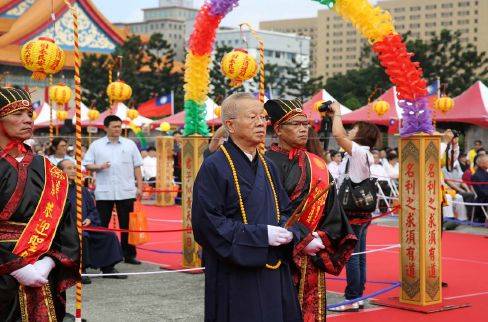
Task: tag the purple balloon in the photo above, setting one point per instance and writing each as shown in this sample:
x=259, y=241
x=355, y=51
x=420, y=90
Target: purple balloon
x=417, y=117
x=222, y=7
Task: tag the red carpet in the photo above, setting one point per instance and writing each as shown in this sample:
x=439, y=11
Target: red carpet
x=465, y=265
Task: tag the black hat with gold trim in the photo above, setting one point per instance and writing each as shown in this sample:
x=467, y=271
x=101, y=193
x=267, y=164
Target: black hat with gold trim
x=280, y=111
x=13, y=100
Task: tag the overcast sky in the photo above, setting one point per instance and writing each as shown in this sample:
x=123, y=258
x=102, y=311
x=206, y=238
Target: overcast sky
x=251, y=11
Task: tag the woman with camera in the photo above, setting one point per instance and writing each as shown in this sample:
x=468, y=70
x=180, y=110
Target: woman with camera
x=357, y=194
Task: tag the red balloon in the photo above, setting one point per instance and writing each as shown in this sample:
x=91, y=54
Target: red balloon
x=397, y=61
x=203, y=36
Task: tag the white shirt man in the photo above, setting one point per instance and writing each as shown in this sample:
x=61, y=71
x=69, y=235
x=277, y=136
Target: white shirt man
x=149, y=165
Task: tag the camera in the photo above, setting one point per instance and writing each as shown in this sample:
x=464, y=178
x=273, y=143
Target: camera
x=325, y=107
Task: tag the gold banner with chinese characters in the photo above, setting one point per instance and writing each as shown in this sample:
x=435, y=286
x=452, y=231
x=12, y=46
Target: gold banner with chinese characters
x=420, y=220
x=165, y=171
x=191, y=160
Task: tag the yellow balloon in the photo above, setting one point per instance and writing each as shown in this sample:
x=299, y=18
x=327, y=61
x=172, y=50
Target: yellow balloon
x=132, y=114
x=373, y=22
x=93, y=114
x=381, y=107
x=165, y=127
x=197, y=77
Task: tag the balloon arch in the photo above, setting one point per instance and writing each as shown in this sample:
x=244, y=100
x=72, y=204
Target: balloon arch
x=375, y=24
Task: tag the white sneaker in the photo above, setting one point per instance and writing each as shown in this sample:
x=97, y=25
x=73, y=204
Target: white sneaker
x=353, y=307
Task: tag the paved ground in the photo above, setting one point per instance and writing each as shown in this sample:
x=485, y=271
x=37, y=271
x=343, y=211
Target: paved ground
x=163, y=297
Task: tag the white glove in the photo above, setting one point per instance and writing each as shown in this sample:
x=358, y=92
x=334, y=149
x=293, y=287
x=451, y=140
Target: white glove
x=314, y=246
x=29, y=276
x=44, y=266
x=278, y=236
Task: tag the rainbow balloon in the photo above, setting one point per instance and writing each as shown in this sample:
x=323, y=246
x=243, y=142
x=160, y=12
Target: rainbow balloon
x=372, y=22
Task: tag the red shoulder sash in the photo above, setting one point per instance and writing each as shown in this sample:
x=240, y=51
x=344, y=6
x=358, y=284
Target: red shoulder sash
x=38, y=235
x=318, y=168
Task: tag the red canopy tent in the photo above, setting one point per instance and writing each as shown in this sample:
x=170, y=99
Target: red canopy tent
x=367, y=114
x=178, y=119
x=469, y=107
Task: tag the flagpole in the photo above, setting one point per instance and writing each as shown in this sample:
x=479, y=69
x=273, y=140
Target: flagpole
x=438, y=87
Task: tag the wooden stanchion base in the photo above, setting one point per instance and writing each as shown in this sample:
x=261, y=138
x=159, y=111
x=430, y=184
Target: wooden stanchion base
x=446, y=305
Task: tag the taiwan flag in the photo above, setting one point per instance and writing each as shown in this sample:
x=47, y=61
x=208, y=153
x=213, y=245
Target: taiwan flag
x=157, y=107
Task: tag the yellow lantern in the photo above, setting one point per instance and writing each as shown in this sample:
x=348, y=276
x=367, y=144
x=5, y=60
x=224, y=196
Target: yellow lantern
x=444, y=104
x=43, y=57
x=61, y=115
x=132, y=113
x=165, y=127
x=238, y=66
x=218, y=111
x=381, y=107
x=93, y=114
x=119, y=91
x=34, y=115
x=60, y=94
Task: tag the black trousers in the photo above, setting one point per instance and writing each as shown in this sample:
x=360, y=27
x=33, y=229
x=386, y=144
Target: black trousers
x=124, y=207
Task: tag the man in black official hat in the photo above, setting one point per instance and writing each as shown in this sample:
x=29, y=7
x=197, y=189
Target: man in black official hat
x=39, y=246
x=304, y=176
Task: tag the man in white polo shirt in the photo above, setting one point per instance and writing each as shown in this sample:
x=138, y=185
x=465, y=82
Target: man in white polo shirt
x=117, y=162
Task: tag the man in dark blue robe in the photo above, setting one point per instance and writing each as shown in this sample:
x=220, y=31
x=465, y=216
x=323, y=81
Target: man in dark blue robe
x=238, y=207
x=100, y=249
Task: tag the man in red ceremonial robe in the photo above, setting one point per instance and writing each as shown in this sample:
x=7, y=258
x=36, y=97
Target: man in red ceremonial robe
x=39, y=245
x=304, y=176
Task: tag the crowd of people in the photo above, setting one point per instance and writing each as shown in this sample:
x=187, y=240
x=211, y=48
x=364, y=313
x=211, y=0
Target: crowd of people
x=270, y=225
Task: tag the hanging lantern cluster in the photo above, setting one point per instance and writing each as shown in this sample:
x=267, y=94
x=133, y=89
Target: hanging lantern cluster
x=60, y=94
x=165, y=126
x=444, y=104
x=61, y=115
x=119, y=91
x=43, y=57
x=93, y=114
x=381, y=107
x=132, y=114
x=239, y=66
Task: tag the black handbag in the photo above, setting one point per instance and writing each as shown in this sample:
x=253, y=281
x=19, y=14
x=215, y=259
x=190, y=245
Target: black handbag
x=358, y=197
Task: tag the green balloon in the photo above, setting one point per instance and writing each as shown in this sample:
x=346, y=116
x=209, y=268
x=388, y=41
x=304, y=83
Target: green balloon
x=328, y=3
x=195, y=119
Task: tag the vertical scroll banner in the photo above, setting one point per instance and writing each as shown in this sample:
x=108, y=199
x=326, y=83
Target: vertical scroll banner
x=192, y=158
x=165, y=171
x=420, y=257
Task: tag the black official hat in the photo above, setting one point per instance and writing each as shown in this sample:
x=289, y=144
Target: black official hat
x=13, y=99
x=280, y=111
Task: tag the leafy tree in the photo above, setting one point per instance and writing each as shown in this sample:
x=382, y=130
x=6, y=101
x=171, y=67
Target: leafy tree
x=149, y=68
x=275, y=79
x=219, y=84
x=94, y=81
x=300, y=84
x=445, y=56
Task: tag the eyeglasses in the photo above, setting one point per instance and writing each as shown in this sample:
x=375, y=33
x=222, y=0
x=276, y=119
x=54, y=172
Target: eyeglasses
x=297, y=123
